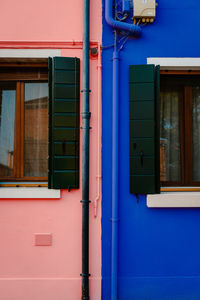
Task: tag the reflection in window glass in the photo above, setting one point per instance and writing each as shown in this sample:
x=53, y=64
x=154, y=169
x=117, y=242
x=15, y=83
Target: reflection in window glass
x=7, y=125
x=36, y=129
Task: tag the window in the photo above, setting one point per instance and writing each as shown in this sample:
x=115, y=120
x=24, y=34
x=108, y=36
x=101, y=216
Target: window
x=180, y=130
x=23, y=121
x=39, y=118
x=164, y=126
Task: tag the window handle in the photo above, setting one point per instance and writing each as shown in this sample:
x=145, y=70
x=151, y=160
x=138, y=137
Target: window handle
x=142, y=158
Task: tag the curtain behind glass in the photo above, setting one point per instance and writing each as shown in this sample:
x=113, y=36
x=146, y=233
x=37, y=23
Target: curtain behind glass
x=36, y=129
x=169, y=136
x=196, y=133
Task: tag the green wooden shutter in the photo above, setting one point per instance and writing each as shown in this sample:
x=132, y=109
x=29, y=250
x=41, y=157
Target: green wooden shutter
x=144, y=129
x=64, y=111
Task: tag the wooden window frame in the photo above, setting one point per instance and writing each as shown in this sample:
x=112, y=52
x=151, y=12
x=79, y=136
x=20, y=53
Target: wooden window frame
x=22, y=71
x=185, y=119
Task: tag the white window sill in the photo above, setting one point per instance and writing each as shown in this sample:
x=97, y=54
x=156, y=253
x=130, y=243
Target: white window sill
x=174, y=199
x=29, y=193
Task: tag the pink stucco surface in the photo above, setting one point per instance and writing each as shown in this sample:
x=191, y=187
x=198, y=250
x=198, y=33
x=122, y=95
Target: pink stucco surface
x=47, y=20
x=52, y=272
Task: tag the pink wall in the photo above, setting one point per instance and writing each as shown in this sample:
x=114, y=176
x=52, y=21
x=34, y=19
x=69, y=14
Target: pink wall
x=51, y=272
x=45, y=20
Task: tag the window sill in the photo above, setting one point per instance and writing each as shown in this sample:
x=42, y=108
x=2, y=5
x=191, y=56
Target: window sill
x=179, y=199
x=29, y=193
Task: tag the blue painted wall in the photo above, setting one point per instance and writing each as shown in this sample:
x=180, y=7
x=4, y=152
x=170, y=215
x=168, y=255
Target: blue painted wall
x=159, y=249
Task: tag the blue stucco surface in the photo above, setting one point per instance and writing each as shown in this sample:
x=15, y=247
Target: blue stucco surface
x=159, y=249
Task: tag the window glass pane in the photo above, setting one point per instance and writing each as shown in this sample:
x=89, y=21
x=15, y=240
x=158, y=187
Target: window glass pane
x=7, y=125
x=169, y=135
x=196, y=133
x=36, y=129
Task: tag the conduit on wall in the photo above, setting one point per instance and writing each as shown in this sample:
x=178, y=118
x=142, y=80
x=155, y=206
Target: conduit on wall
x=85, y=153
x=98, y=176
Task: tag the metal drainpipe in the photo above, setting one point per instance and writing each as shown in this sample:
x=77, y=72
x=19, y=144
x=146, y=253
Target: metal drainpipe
x=133, y=29
x=85, y=153
x=136, y=31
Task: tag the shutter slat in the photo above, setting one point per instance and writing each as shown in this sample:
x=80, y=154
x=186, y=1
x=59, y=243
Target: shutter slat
x=142, y=92
x=142, y=128
x=65, y=179
x=65, y=134
x=67, y=120
x=145, y=73
x=62, y=91
x=138, y=168
x=147, y=145
x=144, y=173
x=65, y=148
x=142, y=184
x=65, y=105
x=141, y=109
x=65, y=63
x=65, y=77
x=65, y=163
x=65, y=123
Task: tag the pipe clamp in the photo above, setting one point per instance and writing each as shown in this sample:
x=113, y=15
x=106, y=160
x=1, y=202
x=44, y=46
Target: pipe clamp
x=86, y=115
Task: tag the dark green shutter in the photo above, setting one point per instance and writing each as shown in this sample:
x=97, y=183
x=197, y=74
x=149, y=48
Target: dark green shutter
x=144, y=129
x=64, y=111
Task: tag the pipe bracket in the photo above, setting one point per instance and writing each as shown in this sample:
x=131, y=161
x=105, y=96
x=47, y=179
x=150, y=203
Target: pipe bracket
x=85, y=201
x=114, y=220
x=86, y=115
x=85, y=274
x=85, y=90
x=85, y=127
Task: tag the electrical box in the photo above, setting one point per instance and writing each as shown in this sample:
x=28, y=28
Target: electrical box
x=144, y=10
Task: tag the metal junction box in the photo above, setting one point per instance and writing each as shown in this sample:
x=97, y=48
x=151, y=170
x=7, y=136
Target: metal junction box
x=144, y=9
